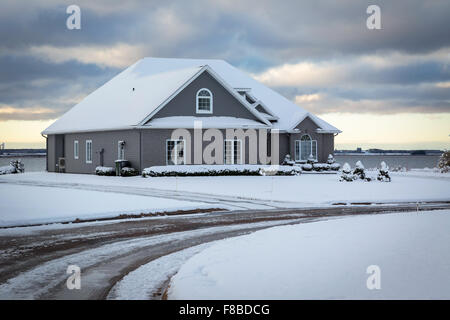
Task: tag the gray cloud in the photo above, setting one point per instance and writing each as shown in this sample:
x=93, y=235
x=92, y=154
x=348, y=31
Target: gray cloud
x=254, y=35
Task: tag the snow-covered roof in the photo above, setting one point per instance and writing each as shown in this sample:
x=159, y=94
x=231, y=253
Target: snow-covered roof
x=134, y=94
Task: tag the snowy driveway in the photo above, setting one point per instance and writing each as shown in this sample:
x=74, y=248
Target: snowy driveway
x=33, y=260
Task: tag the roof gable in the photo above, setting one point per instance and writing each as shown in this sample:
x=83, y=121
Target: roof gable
x=227, y=102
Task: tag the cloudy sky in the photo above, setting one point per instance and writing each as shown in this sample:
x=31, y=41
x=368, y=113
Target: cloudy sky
x=386, y=88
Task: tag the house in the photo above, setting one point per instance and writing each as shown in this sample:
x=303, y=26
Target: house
x=133, y=117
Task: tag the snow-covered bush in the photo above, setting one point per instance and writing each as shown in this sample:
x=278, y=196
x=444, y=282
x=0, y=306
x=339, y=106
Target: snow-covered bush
x=347, y=174
x=444, y=162
x=311, y=159
x=399, y=169
x=288, y=161
x=360, y=172
x=335, y=166
x=15, y=166
x=129, y=172
x=331, y=159
x=105, y=171
x=383, y=173
x=7, y=169
x=307, y=167
x=219, y=170
x=321, y=166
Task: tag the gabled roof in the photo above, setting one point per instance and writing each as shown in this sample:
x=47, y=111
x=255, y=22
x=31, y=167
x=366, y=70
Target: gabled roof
x=132, y=97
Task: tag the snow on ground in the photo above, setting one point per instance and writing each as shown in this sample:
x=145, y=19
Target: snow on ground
x=326, y=260
x=143, y=282
x=36, y=282
x=305, y=190
x=21, y=204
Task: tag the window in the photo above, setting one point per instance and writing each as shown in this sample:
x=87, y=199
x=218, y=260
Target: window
x=88, y=151
x=175, y=152
x=305, y=148
x=204, y=101
x=233, y=152
x=121, y=150
x=76, y=149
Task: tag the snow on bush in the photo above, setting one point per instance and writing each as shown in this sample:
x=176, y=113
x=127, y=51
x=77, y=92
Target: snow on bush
x=383, y=173
x=346, y=174
x=331, y=159
x=7, y=169
x=444, y=162
x=219, y=170
x=105, y=171
x=129, y=172
x=335, y=166
x=360, y=172
x=15, y=166
x=288, y=161
x=307, y=167
x=321, y=166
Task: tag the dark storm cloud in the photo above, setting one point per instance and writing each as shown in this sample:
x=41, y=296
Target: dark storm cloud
x=253, y=35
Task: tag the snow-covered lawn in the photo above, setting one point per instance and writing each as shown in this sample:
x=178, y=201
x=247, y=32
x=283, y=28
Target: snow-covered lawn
x=326, y=260
x=306, y=189
x=21, y=204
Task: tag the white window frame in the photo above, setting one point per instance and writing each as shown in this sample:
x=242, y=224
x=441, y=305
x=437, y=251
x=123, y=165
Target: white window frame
x=232, y=151
x=89, y=151
x=120, y=150
x=298, y=146
x=176, y=152
x=210, y=102
x=76, y=149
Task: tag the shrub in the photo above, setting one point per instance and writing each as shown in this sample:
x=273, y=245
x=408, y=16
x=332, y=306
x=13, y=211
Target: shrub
x=129, y=172
x=335, y=166
x=105, y=171
x=307, y=167
x=288, y=161
x=347, y=174
x=321, y=166
x=383, y=173
x=219, y=170
x=444, y=162
x=331, y=159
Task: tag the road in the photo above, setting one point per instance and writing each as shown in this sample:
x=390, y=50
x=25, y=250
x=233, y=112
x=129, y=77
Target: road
x=33, y=261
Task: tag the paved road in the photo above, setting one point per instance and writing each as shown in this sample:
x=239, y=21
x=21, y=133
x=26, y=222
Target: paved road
x=33, y=261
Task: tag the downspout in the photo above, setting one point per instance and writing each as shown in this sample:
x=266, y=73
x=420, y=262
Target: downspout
x=46, y=151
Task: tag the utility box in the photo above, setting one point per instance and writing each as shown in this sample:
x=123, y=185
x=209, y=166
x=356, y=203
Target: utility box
x=121, y=164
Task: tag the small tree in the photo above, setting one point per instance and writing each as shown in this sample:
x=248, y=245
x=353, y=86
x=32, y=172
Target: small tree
x=311, y=159
x=287, y=160
x=444, y=162
x=347, y=173
x=330, y=159
x=383, y=173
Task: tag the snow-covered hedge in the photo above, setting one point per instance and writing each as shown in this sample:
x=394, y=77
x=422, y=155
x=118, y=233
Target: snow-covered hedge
x=219, y=170
x=321, y=167
x=105, y=171
x=7, y=169
x=15, y=166
x=129, y=172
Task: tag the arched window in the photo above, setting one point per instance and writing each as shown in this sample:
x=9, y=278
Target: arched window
x=305, y=148
x=204, y=101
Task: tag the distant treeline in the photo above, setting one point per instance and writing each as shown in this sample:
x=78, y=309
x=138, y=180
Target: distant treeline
x=406, y=152
x=22, y=151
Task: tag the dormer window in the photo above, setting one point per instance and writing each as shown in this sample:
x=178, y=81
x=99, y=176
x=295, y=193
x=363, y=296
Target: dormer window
x=204, y=101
